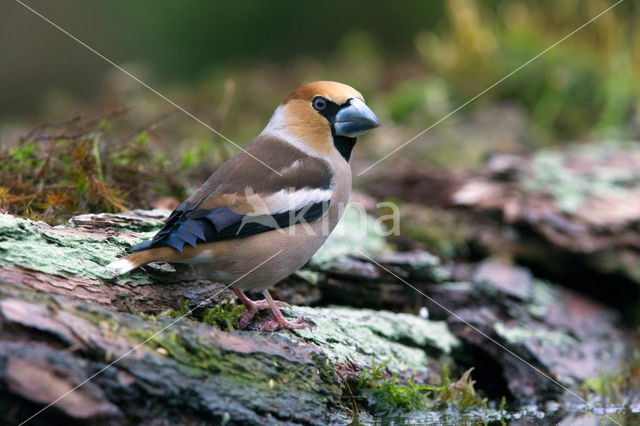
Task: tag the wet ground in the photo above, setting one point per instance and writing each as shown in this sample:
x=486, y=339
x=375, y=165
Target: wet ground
x=530, y=415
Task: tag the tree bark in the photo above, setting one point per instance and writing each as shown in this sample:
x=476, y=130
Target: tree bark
x=108, y=348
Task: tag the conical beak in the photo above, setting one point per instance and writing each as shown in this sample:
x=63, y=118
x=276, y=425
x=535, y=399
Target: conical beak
x=355, y=118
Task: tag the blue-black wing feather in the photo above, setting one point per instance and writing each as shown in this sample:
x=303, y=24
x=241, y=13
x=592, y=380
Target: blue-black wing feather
x=188, y=225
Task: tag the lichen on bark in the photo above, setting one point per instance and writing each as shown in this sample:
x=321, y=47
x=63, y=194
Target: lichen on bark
x=56, y=296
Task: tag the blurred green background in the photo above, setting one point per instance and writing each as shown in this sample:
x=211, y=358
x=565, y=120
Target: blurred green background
x=230, y=64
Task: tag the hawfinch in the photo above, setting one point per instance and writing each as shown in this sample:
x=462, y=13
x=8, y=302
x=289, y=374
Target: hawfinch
x=283, y=195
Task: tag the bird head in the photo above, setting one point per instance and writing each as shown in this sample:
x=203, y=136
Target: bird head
x=324, y=116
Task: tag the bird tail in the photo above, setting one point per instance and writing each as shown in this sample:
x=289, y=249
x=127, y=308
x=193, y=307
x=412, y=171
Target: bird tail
x=139, y=258
x=129, y=263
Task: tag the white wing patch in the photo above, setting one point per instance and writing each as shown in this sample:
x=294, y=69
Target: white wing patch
x=285, y=199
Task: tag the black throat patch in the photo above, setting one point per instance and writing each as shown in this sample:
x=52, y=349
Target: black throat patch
x=344, y=145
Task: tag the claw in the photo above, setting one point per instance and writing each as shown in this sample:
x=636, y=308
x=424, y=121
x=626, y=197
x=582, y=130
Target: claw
x=246, y=317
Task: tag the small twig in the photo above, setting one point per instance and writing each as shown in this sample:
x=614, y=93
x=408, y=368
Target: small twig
x=79, y=121
x=150, y=125
x=29, y=136
x=97, y=157
x=354, y=404
x=45, y=166
x=225, y=102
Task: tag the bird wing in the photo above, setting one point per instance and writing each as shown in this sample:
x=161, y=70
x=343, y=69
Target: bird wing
x=244, y=197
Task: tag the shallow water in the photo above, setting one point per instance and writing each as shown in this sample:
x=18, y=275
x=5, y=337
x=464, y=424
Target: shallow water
x=531, y=415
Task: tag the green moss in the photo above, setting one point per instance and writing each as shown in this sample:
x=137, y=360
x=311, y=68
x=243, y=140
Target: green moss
x=245, y=374
x=225, y=315
x=387, y=394
x=182, y=311
x=195, y=355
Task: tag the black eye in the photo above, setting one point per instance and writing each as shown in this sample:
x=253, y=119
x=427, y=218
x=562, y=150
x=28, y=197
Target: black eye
x=319, y=103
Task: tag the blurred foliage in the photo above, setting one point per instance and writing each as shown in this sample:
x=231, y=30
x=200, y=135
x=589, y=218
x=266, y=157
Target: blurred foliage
x=356, y=232
x=582, y=87
x=414, y=65
x=184, y=38
x=586, y=82
x=617, y=387
x=442, y=232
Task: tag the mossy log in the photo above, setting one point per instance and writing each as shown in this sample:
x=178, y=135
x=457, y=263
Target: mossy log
x=584, y=199
x=63, y=319
x=572, y=215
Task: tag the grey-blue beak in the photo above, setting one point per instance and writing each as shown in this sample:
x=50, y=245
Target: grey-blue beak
x=354, y=119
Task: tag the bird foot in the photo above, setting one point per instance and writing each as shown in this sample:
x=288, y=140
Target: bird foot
x=253, y=307
x=278, y=321
x=281, y=323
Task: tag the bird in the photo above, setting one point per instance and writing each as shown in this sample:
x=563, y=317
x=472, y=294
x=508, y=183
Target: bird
x=283, y=193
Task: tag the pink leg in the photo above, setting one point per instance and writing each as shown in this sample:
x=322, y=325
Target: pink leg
x=252, y=307
x=278, y=320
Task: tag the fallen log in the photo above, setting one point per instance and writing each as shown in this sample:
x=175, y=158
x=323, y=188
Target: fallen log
x=572, y=215
x=64, y=323
x=63, y=319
